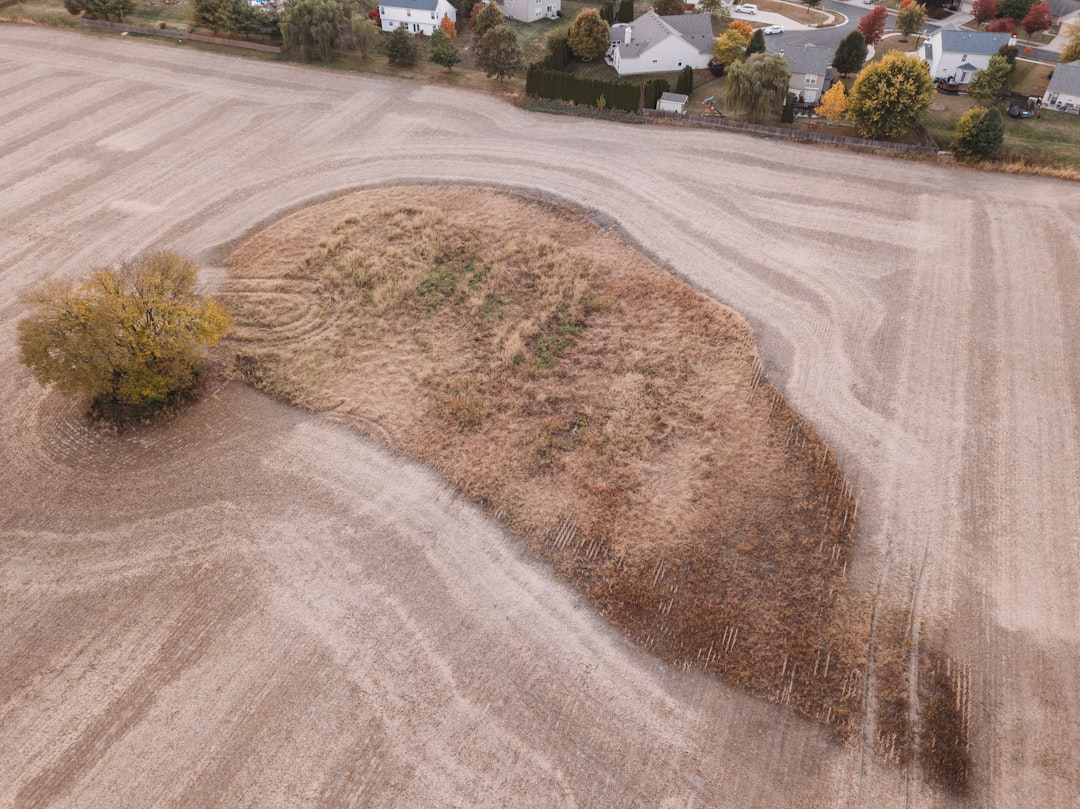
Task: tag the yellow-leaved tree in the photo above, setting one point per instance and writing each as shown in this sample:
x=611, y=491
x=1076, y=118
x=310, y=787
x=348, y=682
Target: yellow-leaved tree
x=834, y=103
x=128, y=340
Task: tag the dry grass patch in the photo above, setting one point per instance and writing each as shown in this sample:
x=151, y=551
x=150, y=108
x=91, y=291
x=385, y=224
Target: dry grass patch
x=614, y=417
x=945, y=721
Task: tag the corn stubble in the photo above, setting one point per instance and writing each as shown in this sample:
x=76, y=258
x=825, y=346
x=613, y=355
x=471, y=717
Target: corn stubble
x=612, y=416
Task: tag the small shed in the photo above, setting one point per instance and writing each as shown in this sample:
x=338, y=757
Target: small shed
x=672, y=102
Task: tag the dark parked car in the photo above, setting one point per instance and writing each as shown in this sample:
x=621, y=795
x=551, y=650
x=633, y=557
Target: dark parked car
x=1021, y=111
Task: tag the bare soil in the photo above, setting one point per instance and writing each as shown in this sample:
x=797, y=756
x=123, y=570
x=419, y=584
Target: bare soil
x=254, y=606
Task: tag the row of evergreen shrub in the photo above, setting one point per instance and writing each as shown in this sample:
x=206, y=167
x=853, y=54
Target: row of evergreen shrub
x=544, y=82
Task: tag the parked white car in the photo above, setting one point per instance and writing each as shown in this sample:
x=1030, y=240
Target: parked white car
x=774, y=29
x=746, y=8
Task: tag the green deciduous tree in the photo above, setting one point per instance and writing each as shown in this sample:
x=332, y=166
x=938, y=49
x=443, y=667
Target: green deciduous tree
x=486, y=17
x=498, y=53
x=850, y=54
x=235, y=17
x=1015, y=10
x=401, y=48
x=364, y=34
x=313, y=28
x=979, y=133
x=1071, y=52
x=756, y=43
x=910, y=19
x=992, y=82
x=668, y=8
x=757, y=88
x=124, y=339
x=589, y=36
x=710, y=6
x=890, y=96
x=443, y=50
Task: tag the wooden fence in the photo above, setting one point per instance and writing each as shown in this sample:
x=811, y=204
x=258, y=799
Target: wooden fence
x=705, y=121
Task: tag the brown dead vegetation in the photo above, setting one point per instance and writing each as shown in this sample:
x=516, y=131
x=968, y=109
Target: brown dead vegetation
x=613, y=416
x=945, y=721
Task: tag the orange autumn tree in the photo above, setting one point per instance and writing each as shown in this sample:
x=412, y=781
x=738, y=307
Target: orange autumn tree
x=448, y=26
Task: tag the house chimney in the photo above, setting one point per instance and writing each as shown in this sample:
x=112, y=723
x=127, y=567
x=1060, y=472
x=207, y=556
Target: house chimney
x=628, y=34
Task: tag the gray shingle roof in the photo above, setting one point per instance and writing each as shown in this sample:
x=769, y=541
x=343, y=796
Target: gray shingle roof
x=1066, y=79
x=808, y=59
x=972, y=42
x=1059, y=8
x=678, y=98
x=650, y=28
x=695, y=29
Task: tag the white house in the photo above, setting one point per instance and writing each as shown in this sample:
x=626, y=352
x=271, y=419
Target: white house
x=955, y=55
x=1063, y=92
x=530, y=10
x=655, y=44
x=418, y=16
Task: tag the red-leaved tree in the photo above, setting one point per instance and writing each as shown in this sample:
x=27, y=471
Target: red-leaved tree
x=1005, y=25
x=985, y=10
x=872, y=26
x=1037, y=19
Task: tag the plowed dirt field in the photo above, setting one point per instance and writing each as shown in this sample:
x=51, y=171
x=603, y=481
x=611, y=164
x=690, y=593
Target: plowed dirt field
x=253, y=606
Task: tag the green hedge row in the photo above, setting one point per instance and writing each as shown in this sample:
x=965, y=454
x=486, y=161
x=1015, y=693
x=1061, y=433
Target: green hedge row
x=542, y=81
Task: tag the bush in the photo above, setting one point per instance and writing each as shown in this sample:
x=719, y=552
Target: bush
x=979, y=133
x=401, y=48
x=127, y=340
x=101, y=9
x=685, y=84
x=589, y=36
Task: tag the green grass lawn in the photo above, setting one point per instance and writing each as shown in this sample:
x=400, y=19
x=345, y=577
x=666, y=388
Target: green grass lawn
x=1053, y=138
x=895, y=44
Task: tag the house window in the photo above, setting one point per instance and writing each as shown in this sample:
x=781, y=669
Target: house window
x=963, y=58
x=408, y=13
x=415, y=27
x=539, y=13
x=811, y=79
x=433, y=15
